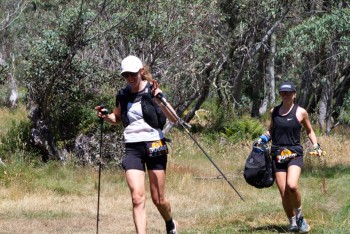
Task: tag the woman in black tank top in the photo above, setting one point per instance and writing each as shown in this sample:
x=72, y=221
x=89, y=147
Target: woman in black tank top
x=287, y=120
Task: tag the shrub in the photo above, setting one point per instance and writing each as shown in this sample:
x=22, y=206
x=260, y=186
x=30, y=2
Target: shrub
x=244, y=128
x=14, y=145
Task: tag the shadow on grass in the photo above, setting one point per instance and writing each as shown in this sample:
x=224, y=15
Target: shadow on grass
x=270, y=228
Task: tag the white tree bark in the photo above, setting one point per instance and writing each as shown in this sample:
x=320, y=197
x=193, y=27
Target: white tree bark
x=269, y=97
x=322, y=114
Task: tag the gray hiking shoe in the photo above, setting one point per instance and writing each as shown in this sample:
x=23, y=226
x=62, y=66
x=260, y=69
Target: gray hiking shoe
x=293, y=228
x=174, y=230
x=303, y=226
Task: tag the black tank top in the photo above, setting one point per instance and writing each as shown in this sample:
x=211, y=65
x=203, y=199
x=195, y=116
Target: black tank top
x=286, y=130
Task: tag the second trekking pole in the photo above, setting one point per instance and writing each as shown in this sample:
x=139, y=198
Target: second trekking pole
x=105, y=111
x=161, y=97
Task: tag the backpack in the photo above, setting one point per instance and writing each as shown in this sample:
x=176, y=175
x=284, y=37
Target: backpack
x=152, y=113
x=258, y=170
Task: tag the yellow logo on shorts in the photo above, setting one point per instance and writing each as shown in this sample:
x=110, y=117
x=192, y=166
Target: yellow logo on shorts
x=157, y=148
x=285, y=156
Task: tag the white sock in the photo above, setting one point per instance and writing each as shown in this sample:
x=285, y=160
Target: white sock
x=293, y=220
x=298, y=212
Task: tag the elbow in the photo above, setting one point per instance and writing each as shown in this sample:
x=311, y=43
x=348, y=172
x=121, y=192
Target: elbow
x=173, y=120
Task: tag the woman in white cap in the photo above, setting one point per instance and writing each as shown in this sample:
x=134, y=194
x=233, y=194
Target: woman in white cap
x=141, y=109
x=284, y=131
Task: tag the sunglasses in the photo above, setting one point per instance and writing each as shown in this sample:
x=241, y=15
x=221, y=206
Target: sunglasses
x=286, y=93
x=127, y=74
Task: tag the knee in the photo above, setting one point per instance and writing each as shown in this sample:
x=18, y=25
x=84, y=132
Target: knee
x=138, y=199
x=293, y=188
x=159, y=201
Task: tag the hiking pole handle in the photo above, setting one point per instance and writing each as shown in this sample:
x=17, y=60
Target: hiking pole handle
x=161, y=97
x=101, y=108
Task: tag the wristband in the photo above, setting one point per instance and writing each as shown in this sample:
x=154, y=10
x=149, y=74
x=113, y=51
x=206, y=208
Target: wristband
x=316, y=146
x=264, y=138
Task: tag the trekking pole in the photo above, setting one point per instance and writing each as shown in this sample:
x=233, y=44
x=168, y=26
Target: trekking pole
x=99, y=168
x=161, y=97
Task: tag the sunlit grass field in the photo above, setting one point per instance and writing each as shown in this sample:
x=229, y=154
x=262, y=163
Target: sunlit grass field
x=55, y=198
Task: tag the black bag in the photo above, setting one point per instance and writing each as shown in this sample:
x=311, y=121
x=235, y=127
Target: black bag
x=258, y=170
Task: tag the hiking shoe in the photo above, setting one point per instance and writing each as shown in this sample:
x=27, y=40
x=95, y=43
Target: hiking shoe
x=303, y=226
x=174, y=230
x=293, y=228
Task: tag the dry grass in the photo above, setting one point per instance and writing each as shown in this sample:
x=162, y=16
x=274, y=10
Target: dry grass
x=202, y=202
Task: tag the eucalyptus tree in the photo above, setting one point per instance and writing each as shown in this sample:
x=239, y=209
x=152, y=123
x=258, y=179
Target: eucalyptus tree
x=55, y=75
x=10, y=47
x=179, y=40
x=74, y=55
x=252, y=25
x=317, y=51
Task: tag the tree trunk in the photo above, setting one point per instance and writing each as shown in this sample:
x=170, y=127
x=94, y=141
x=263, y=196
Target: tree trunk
x=332, y=74
x=341, y=91
x=322, y=114
x=270, y=94
x=306, y=82
x=203, y=93
x=42, y=137
x=258, y=84
x=237, y=81
x=12, y=96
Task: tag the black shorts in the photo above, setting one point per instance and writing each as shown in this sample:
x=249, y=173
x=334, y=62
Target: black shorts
x=137, y=157
x=283, y=167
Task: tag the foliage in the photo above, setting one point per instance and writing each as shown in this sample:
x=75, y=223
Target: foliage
x=310, y=38
x=15, y=143
x=245, y=128
x=218, y=121
x=315, y=32
x=224, y=122
x=344, y=116
x=57, y=83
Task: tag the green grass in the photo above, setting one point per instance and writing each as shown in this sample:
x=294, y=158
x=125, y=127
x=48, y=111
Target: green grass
x=61, y=198
x=8, y=117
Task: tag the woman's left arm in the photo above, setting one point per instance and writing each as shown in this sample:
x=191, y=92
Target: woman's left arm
x=166, y=108
x=305, y=121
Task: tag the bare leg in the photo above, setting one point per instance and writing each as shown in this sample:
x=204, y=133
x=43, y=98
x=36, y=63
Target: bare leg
x=136, y=182
x=281, y=180
x=287, y=183
x=294, y=195
x=157, y=186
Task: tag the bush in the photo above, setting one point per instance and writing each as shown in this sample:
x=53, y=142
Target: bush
x=244, y=128
x=223, y=122
x=15, y=144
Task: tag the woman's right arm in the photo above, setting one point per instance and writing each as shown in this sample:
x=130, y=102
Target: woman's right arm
x=271, y=122
x=112, y=118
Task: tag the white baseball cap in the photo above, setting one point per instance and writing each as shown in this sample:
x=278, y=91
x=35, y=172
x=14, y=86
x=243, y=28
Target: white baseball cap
x=131, y=64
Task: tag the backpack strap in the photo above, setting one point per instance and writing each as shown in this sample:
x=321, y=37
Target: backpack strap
x=275, y=110
x=122, y=101
x=152, y=113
